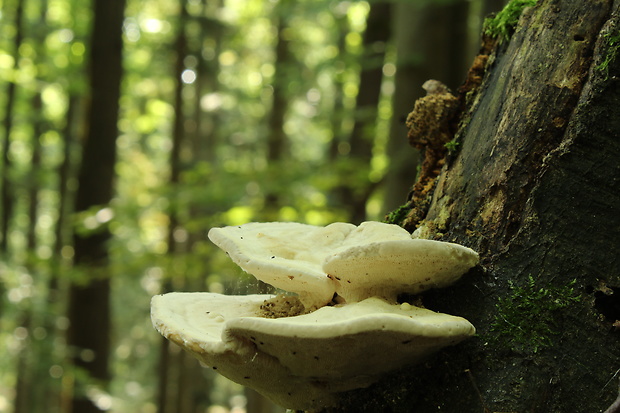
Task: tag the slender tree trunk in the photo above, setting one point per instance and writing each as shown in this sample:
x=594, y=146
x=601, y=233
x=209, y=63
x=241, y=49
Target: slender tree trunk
x=535, y=190
x=24, y=366
x=205, y=139
x=170, y=368
x=60, y=395
x=163, y=377
x=375, y=39
x=89, y=306
x=31, y=356
x=6, y=194
x=65, y=196
x=178, y=128
x=181, y=388
x=338, y=109
x=364, y=133
x=35, y=173
x=277, y=140
x=202, y=142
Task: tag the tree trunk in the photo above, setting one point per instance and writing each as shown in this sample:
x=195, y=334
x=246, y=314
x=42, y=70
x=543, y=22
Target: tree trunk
x=30, y=356
x=65, y=171
x=375, y=40
x=278, y=144
x=169, y=392
x=6, y=194
x=364, y=133
x=89, y=306
x=206, y=135
x=34, y=176
x=338, y=110
x=535, y=190
x=24, y=368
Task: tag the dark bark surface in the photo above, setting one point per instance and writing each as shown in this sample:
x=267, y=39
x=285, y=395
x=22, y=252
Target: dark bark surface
x=535, y=190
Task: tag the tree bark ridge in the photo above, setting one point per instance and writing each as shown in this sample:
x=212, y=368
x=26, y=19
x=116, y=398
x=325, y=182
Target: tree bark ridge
x=535, y=190
x=521, y=115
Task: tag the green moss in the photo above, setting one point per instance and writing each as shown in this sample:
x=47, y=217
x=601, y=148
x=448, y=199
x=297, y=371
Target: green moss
x=452, y=146
x=398, y=215
x=613, y=43
x=503, y=24
x=525, y=321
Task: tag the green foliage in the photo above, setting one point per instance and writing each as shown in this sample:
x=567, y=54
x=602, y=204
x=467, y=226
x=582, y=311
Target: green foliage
x=226, y=178
x=452, y=146
x=503, y=24
x=398, y=215
x=526, y=320
x=613, y=49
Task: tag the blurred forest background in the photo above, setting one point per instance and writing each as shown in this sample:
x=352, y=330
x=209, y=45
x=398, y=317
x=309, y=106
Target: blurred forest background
x=129, y=128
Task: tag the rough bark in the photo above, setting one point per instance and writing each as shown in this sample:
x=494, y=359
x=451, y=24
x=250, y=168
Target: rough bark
x=535, y=190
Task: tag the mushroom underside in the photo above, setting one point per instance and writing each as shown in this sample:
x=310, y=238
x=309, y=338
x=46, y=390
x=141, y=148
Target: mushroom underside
x=303, y=361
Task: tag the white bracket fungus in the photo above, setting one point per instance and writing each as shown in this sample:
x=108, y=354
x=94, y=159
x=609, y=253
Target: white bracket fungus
x=304, y=361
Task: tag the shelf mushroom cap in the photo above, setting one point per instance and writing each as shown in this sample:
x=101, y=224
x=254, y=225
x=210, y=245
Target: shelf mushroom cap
x=303, y=362
x=197, y=322
x=287, y=255
x=372, y=259
x=388, y=268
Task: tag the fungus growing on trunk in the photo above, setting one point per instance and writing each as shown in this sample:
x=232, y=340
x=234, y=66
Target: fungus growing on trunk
x=304, y=358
